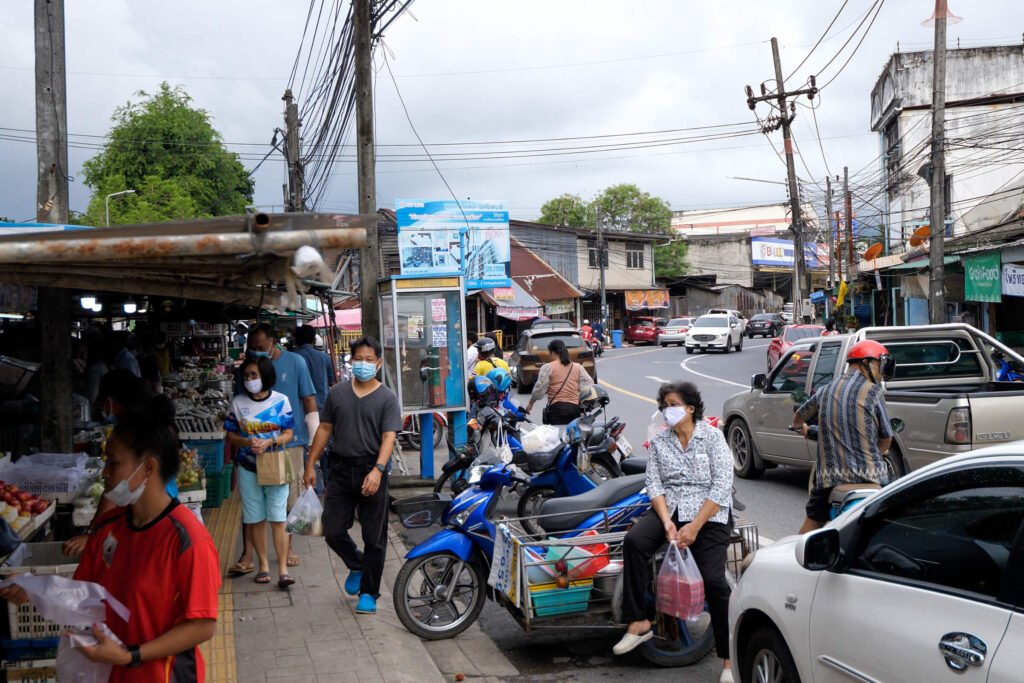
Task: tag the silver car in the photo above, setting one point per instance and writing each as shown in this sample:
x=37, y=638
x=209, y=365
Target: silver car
x=675, y=331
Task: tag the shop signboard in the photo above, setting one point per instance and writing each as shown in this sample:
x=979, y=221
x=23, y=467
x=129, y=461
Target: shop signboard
x=639, y=299
x=1013, y=279
x=433, y=234
x=983, y=278
x=772, y=252
x=558, y=307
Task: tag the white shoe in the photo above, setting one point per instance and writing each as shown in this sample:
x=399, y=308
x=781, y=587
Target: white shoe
x=726, y=676
x=630, y=642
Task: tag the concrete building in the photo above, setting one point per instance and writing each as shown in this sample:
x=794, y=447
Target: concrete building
x=766, y=219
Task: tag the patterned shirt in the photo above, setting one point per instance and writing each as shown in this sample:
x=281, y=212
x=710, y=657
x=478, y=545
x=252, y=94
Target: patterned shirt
x=851, y=419
x=263, y=419
x=688, y=477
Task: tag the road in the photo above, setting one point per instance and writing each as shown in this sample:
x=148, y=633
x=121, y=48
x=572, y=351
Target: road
x=775, y=503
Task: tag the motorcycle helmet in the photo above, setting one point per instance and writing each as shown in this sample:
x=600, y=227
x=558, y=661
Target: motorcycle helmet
x=482, y=391
x=593, y=397
x=500, y=379
x=586, y=322
x=485, y=345
x=868, y=350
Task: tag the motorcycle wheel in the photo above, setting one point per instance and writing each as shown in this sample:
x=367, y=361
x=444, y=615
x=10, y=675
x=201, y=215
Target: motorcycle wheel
x=457, y=483
x=422, y=601
x=412, y=439
x=529, y=507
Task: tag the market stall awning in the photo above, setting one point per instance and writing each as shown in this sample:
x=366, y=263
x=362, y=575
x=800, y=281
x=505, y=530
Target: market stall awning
x=538, y=278
x=345, y=319
x=245, y=260
x=513, y=302
x=920, y=263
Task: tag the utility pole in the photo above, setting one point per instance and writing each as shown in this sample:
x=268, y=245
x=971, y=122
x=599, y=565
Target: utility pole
x=831, y=240
x=602, y=257
x=936, y=249
x=296, y=195
x=848, y=209
x=369, y=259
x=786, y=115
x=54, y=305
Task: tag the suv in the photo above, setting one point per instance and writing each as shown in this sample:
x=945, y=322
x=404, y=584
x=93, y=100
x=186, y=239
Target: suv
x=644, y=330
x=722, y=332
x=532, y=352
x=730, y=311
x=552, y=324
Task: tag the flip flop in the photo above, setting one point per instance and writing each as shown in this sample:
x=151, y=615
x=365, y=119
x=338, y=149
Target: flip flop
x=241, y=569
x=294, y=561
x=285, y=581
x=262, y=578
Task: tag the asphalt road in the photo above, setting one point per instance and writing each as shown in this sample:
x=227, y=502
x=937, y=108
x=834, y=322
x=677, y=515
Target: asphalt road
x=632, y=377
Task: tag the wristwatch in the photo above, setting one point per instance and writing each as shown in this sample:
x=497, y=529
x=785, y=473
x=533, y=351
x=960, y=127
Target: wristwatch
x=381, y=468
x=136, y=654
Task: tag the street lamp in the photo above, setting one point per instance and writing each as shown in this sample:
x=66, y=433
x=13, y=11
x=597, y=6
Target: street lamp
x=106, y=202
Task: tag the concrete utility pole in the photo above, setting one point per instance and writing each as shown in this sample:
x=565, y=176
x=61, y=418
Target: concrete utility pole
x=296, y=195
x=936, y=250
x=848, y=209
x=831, y=240
x=54, y=305
x=602, y=258
x=784, y=120
x=369, y=259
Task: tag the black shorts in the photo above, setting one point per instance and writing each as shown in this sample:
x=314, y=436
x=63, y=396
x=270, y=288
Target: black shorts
x=818, y=507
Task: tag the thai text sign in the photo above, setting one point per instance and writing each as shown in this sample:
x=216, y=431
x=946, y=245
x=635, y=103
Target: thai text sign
x=1013, y=279
x=768, y=251
x=983, y=278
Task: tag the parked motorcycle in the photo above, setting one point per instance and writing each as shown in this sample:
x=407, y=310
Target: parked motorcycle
x=410, y=434
x=1007, y=371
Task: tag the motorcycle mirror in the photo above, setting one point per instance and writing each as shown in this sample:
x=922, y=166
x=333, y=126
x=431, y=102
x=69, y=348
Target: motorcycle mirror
x=897, y=425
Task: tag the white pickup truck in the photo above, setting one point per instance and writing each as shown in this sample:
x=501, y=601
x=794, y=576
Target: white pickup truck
x=944, y=390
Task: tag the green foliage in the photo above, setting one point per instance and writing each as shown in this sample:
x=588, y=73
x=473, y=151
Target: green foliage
x=670, y=260
x=169, y=153
x=569, y=209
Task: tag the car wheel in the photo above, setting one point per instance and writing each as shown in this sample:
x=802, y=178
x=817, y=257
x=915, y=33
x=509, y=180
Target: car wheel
x=894, y=465
x=689, y=350
x=728, y=345
x=739, y=346
x=664, y=345
x=766, y=658
x=742, y=446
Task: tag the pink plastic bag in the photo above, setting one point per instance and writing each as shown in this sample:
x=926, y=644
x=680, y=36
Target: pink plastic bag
x=680, y=586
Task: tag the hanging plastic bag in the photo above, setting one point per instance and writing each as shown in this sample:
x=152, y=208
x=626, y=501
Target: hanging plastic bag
x=656, y=426
x=304, y=519
x=680, y=586
x=543, y=439
x=77, y=605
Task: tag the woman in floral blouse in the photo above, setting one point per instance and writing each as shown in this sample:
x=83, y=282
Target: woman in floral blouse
x=689, y=482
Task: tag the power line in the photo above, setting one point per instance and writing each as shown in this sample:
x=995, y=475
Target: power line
x=818, y=42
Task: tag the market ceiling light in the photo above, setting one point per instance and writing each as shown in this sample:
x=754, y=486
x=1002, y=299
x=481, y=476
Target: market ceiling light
x=97, y=307
x=130, y=307
x=88, y=301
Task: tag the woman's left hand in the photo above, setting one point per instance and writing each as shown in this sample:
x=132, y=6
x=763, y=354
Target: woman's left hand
x=106, y=650
x=687, y=535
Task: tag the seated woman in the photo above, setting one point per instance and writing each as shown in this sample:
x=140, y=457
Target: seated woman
x=689, y=482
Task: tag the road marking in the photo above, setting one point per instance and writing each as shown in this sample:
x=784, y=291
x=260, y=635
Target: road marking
x=716, y=379
x=628, y=355
x=626, y=392
x=657, y=379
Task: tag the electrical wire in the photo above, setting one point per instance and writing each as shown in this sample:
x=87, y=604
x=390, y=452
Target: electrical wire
x=856, y=47
x=818, y=42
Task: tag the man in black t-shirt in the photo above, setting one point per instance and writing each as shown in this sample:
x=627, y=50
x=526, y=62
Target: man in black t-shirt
x=364, y=418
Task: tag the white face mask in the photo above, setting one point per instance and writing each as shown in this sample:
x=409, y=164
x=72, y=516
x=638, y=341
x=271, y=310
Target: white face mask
x=674, y=414
x=254, y=386
x=121, y=495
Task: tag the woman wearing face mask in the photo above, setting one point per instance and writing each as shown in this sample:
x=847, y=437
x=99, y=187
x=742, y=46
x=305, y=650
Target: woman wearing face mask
x=260, y=420
x=689, y=482
x=153, y=555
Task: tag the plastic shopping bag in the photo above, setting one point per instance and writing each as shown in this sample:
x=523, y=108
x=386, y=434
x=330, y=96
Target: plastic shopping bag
x=304, y=519
x=543, y=439
x=77, y=605
x=680, y=586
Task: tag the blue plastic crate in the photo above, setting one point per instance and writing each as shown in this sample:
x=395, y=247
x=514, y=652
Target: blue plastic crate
x=29, y=648
x=549, y=600
x=211, y=453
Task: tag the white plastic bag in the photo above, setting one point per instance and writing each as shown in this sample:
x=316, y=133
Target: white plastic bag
x=542, y=439
x=73, y=665
x=657, y=426
x=304, y=519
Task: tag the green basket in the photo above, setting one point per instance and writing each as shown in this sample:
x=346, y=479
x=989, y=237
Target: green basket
x=218, y=487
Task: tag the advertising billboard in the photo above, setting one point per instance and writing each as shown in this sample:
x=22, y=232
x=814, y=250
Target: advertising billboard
x=431, y=234
x=769, y=251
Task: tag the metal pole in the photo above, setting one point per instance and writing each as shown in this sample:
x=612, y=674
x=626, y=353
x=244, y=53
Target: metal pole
x=106, y=202
x=936, y=298
x=794, y=192
x=369, y=258
x=831, y=243
x=54, y=305
x=602, y=256
x=848, y=208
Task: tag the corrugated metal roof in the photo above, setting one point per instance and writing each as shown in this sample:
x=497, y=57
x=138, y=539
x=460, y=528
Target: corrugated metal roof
x=538, y=278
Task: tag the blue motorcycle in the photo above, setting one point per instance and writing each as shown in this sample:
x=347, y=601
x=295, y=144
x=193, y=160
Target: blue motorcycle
x=1007, y=370
x=442, y=586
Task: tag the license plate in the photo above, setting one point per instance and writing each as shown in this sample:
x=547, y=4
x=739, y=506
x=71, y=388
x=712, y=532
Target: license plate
x=625, y=448
x=703, y=346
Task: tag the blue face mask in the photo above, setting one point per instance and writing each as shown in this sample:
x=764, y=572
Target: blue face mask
x=364, y=370
x=258, y=354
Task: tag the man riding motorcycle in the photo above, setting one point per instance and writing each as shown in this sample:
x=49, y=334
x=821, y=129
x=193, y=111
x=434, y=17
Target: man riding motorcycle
x=854, y=429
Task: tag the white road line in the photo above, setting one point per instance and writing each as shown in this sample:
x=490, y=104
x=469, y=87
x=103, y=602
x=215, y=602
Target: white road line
x=716, y=379
x=657, y=379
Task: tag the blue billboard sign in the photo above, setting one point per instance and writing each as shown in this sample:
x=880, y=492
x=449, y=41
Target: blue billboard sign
x=772, y=252
x=468, y=238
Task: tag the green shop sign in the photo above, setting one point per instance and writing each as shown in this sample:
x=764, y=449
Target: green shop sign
x=982, y=275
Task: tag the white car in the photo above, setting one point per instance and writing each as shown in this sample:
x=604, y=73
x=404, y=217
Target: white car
x=720, y=332
x=675, y=331
x=733, y=312
x=922, y=581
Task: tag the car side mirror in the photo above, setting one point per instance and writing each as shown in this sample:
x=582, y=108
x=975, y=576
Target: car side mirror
x=734, y=326
x=759, y=381
x=819, y=550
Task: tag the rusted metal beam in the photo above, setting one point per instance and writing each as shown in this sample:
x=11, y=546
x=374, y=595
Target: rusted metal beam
x=93, y=246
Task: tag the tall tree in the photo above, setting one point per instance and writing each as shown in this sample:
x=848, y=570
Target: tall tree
x=569, y=209
x=168, y=151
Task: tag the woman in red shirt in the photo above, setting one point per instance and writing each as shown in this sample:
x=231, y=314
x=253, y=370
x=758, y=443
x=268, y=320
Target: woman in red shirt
x=153, y=555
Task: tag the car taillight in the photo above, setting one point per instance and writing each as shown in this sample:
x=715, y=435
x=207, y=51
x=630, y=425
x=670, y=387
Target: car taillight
x=958, y=426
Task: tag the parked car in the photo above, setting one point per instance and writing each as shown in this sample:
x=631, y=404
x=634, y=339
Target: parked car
x=787, y=312
x=730, y=311
x=922, y=581
x=765, y=325
x=722, y=332
x=790, y=335
x=552, y=324
x=532, y=352
x=675, y=331
x=643, y=330
x=943, y=390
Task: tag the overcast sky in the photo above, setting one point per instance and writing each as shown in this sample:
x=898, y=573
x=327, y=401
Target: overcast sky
x=476, y=71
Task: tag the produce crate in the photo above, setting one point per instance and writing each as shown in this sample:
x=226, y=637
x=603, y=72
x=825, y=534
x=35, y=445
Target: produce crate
x=218, y=488
x=32, y=671
x=211, y=453
x=29, y=648
x=549, y=600
x=39, y=558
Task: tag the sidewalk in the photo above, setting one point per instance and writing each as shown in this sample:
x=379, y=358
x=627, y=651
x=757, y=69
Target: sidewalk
x=311, y=633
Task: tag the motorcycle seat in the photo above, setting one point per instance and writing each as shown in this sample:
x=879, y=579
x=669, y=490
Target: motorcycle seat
x=568, y=513
x=634, y=465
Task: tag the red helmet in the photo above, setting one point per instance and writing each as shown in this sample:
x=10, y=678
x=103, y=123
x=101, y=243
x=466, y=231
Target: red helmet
x=865, y=350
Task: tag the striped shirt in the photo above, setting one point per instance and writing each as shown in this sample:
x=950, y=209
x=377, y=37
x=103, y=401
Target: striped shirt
x=851, y=419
